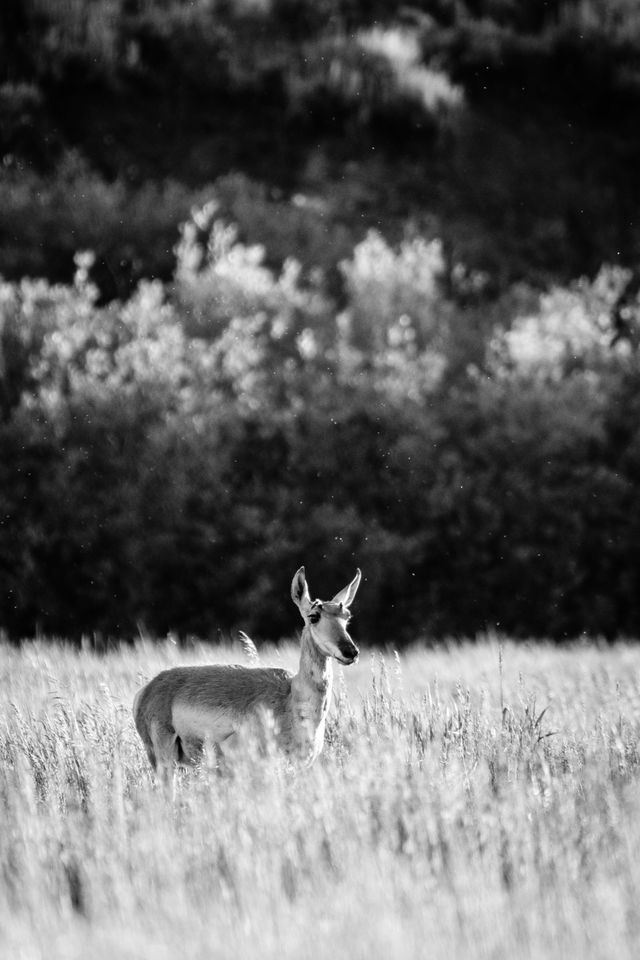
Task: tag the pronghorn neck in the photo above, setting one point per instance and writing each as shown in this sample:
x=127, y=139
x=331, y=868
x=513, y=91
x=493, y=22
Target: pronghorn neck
x=311, y=686
x=315, y=672
x=310, y=696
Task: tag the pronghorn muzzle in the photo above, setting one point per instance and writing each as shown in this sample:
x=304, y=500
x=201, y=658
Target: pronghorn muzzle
x=349, y=652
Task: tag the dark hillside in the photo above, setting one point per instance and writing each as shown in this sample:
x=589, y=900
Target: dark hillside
x=510, y=130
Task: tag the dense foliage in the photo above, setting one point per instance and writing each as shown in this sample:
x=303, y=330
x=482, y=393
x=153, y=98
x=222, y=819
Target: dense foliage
x=506, y=127
x=170, y=460
x=370, y=349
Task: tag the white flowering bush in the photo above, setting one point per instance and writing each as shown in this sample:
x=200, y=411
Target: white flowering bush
x=69, y=348
x=400, y=47
x=397, y=315
x=339, y=70
x=572, y=330
x=385, y=285
x=219, y=280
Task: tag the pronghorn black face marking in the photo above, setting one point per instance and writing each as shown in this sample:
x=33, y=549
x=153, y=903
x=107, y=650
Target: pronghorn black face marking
x=315, y=617
x=316, y=611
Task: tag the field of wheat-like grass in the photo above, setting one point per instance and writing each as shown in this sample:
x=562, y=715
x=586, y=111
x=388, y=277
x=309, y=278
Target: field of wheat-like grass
x=461, y=808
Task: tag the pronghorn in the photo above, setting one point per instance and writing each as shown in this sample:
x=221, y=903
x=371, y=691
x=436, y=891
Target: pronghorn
x=184, y=710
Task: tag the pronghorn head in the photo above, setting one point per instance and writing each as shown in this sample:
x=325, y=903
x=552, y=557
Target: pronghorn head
x=327, y=619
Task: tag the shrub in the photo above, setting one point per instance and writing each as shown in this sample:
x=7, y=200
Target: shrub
x=220, y=282
x=45, y=219
x=373, y=75
x=314, y=231
x=572, y=329
x=21, y=121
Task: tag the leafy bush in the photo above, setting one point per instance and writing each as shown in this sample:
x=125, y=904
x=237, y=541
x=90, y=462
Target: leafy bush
x=572, y=329
x=386, y=289
x=45, y=219
x=21, y=120
x=369, y=76
x=316, y=232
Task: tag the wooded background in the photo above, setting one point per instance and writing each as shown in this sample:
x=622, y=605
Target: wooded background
x=328, y=282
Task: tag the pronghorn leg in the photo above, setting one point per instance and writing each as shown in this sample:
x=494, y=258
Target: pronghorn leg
x=165, y=748
x=152, y=756
x=190, y=750
x=215, y=756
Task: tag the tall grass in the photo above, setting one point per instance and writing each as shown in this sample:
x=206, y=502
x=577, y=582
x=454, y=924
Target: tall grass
x=467, y=804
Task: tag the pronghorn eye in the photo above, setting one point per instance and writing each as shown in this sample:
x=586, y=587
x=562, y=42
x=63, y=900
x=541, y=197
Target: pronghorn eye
x=314, y=617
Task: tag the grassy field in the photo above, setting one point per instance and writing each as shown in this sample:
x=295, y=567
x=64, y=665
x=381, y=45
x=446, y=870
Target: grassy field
x=462, y=808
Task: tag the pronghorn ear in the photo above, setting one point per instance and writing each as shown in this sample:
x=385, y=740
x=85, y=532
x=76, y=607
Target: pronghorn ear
x=300, y=591
x=345, y=597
